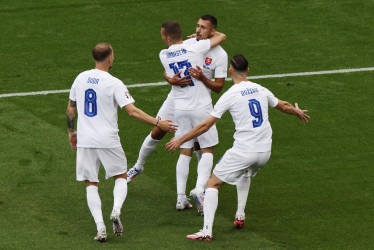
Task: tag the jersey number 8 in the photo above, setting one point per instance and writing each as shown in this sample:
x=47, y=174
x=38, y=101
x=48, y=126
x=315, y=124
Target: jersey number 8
x=90, y=105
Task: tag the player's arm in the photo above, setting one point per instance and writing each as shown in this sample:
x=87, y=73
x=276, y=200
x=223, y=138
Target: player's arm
x=216, y=85
x=287, y=108
x=70, y=117
x=217, y=38
x=199, y=129
x=166, y=125
x=177, y=80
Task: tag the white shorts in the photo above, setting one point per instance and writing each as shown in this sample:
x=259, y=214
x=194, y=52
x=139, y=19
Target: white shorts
x=188, y=119
x=235, y=163
x=89, y=159
x=167, y=110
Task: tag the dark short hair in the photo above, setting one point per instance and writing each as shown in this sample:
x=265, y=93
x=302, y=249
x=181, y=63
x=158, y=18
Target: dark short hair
x=101, y=51
x=239, y=63
x=210, y=18
x=172, y=29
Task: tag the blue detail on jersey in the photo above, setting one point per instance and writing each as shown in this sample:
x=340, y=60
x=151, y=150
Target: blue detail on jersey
x=256, y=112
x=248, y=91
x=90, y=105
x=176, y=53
x=180, y=66
x=93, y=80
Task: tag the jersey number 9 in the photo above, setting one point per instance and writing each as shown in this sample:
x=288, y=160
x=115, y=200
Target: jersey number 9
x=256, y=112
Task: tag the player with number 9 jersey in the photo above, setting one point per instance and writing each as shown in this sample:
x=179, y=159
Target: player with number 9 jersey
x=98, y=95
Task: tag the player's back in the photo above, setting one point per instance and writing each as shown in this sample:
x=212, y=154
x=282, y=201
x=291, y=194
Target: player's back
x=180, y=57
x=248, y=105
x=94, y=91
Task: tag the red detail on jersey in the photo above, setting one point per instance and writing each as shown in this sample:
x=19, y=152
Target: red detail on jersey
x=208, y=61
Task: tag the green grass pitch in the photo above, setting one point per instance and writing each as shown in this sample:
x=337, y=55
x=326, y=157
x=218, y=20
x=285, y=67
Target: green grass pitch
x=316, y=192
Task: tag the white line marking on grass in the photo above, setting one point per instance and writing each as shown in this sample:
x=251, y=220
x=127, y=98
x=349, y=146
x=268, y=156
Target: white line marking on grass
x=325, y=72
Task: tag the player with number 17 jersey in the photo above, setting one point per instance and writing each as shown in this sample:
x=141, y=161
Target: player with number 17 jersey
x=98, y=95
x=180, y=57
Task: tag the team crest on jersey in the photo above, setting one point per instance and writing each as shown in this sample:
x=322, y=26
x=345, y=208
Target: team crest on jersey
x=208, y=61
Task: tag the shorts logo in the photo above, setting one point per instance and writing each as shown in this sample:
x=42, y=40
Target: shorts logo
x=208, y=61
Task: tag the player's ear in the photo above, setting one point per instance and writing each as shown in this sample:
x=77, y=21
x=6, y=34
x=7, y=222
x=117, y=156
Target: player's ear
x=247, y=70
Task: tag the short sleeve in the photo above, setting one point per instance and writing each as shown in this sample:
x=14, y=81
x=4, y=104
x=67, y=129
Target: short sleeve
x=122, y=95
x=272, y=100
x=221, y=69
x=222, y=105
x=202, y=46
x=73, y=93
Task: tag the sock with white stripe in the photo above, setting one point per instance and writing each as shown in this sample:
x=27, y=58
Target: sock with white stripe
x=119, y=193
x=203, y=171
x=242, y=188
x=149, y=145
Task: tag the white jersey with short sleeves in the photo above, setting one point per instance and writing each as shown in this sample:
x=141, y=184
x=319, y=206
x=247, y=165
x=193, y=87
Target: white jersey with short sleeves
x=248, y=104
x=98, y=95
x=215, y=61
x=180, y=57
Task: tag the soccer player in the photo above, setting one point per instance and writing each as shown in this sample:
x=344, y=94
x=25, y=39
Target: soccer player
x=248, y=104
x=191, y=103
x=96, y=95
x=215, y=63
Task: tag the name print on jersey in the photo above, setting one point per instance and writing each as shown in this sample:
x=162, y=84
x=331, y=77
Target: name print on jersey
x=248, y=91
x=176, y=53
x=93, y=80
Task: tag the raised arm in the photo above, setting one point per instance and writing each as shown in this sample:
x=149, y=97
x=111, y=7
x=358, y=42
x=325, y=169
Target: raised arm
x=217, y=38
x=199, y=129
x=140, y=115
x=287, y=108
x=70, y=117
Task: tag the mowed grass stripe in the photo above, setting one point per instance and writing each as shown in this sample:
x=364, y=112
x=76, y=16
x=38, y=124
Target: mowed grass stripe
x=324, y=72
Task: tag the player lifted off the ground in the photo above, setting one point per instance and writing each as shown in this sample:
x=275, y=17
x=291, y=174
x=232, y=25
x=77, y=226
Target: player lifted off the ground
x=96, y=95
x=248, y=104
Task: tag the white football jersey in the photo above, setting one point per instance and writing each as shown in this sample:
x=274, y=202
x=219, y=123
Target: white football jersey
x=98, y=95
x=215, y=61
x=248, y=104
x=180, y=57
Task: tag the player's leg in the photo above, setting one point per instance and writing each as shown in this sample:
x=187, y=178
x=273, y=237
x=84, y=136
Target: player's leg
x=242, y=188
x=151, y=141
x=88, y=166
x=197, y=150
x=182, y=171
x=115, y=164
x=210, y=207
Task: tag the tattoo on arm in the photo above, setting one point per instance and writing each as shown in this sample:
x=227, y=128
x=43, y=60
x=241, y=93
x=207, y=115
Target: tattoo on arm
x=73, y=104
x=70, y=122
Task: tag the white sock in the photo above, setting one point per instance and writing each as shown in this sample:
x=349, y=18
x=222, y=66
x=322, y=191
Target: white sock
x=203, y=171
x=210, y=207
x=183, y=168
x=94, y=204
x=242, y=188
x=119, y=193
x=149, y=145
x=198, y=155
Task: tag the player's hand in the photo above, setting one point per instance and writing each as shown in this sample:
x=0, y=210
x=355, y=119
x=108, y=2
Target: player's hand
x=192, y=36
x=73, y=140
x=167, y=125
x=196, y=73
x=179, y=81
x=301, y=114
x=173, y=144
